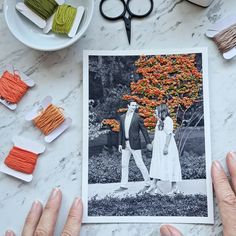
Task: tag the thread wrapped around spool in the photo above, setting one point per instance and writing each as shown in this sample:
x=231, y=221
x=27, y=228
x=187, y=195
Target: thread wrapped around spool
x=22, y=158
x=49, y=119
x=43, y=8
x=14, y=84
x=12, y=88
x=226, y=39
x=63, y=19
x=223, y=33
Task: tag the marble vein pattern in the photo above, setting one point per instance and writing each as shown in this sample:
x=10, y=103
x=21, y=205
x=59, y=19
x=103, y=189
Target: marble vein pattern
x=173, y=23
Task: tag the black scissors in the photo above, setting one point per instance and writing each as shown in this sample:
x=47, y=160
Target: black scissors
x=127, y=20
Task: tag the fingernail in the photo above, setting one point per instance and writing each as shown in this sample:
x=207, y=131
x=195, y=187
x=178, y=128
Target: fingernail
x=233, y=156
x=217, y=165
x=9, y=233
x=54, y=193
x=77, y=202
x=35, y=206
x=165, y=231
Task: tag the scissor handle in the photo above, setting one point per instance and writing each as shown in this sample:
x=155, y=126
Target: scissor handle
x=136, y=15
x=112, y=18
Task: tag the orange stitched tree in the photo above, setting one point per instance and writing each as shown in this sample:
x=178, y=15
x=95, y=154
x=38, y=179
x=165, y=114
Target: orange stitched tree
x=171, y=79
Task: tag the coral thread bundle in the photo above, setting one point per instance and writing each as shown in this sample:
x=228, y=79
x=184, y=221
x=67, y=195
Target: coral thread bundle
x=12, y=88
x=49, y=119
x=21, y=160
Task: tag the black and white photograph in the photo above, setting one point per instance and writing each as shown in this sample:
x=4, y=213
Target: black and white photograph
x=146, y=137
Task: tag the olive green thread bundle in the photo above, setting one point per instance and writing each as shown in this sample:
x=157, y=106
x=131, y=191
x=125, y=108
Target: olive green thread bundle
x=64, y=19
x=43, y=8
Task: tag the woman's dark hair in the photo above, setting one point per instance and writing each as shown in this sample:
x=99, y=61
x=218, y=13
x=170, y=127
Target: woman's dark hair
x=160, y=109
x=128, y=102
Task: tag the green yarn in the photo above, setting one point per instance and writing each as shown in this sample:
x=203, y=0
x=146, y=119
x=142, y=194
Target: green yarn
x=43, y=8
x=63, y=19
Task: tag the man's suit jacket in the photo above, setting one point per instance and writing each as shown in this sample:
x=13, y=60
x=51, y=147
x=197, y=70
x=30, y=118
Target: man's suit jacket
x=136, y=126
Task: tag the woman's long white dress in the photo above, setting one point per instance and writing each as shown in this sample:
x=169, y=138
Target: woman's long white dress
x=165, y=167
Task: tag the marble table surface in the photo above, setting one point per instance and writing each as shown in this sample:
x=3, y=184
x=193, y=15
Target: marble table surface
x=173, y=23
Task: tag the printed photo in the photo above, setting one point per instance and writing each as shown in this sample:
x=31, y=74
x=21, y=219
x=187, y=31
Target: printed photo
x=146, y=137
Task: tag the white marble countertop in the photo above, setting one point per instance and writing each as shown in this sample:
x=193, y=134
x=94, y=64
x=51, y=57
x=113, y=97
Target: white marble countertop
x=173, y=23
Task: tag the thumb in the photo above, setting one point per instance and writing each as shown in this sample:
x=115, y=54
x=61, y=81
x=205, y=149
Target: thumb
x=168, y=230
x=9, y=233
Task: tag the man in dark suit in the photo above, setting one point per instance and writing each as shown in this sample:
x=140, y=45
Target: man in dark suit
x=130, y=143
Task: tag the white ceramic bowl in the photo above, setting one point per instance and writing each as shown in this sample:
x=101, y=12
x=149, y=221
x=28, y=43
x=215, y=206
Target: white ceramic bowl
x=32, y=36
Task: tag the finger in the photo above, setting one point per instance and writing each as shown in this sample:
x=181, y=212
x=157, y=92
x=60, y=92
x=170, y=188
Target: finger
x=32, y=219
x=223, y=190
x=231, y=163
x=73, y=223
x=168, y=230
x=9, y=233
x=48, y=219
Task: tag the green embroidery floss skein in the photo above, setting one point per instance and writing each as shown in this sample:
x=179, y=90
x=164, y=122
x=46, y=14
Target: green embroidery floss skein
x=43, y=8
x=63, y=19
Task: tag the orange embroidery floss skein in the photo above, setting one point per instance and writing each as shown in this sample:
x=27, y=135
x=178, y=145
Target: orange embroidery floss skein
x=12, y=88
x=21, y=160
x=49, y=119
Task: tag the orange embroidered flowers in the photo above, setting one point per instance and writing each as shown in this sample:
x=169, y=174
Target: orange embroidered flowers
x=171, y=79
x=114, y=124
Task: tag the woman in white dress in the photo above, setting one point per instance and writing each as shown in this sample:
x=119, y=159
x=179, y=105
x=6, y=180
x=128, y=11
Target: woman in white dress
x=165, y=163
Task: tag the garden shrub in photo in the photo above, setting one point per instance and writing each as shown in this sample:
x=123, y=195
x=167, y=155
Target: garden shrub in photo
x=149, y=205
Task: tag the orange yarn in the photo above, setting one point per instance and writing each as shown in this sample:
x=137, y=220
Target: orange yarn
x=49, y=119
x=21, y=160
x=12, y=88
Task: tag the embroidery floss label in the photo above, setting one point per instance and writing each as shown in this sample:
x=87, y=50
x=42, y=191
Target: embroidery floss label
x=56, y=132
x=26, y=79
x=220, y=26
x=27, y=145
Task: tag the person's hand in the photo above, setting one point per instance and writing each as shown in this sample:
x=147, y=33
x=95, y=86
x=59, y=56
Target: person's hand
x=165, y=150
x=42, y=221
x=169, y=230
x=149, y=147
x=225, y=195
x=120, y=148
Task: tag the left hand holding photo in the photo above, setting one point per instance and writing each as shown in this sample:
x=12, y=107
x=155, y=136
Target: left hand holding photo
x=42, y=221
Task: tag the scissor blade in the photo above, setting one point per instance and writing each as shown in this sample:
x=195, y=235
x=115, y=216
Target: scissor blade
x=128, y=27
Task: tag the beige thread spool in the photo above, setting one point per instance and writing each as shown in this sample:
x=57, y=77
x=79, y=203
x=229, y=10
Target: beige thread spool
x=226, y=39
